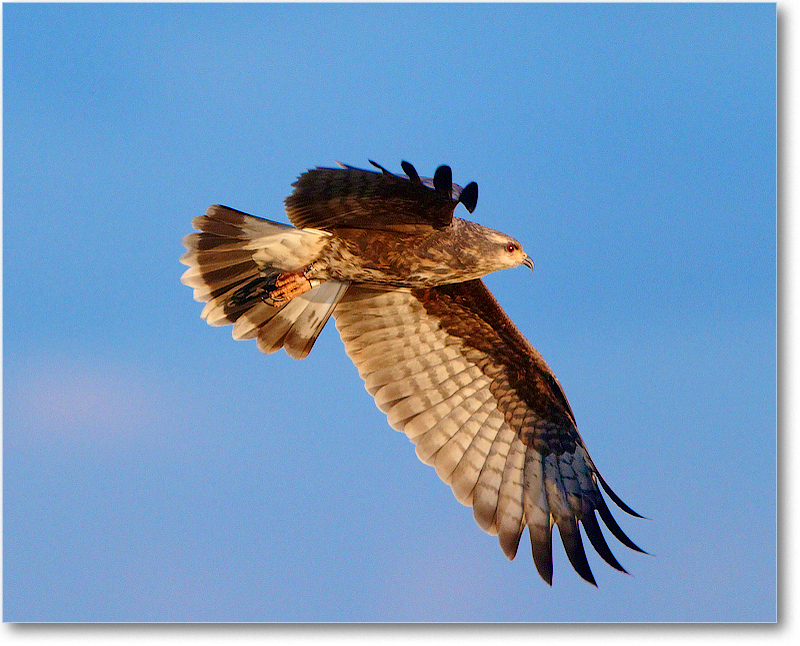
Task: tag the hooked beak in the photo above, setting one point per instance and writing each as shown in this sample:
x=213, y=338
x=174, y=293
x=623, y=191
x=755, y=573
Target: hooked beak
x=528, y=262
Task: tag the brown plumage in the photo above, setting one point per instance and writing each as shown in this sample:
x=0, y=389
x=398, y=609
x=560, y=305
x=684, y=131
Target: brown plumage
x=384, y=255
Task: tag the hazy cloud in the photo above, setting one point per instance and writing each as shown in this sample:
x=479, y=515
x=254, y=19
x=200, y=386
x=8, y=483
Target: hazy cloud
x=81, y=400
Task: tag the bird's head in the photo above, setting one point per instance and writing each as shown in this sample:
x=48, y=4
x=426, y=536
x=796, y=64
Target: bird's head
x=493, y=250
x=513, y=250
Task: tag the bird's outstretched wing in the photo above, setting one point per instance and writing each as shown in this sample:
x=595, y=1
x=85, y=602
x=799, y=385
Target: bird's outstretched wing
x=451, y=371
x=348, y=197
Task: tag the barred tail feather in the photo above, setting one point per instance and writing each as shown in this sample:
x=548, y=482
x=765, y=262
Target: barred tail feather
x=233, y=262
x=296, y=325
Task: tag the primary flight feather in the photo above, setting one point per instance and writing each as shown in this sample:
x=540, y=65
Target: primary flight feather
x=384, y=255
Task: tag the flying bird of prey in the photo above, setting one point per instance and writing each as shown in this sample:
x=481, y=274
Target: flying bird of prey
x=384, y=255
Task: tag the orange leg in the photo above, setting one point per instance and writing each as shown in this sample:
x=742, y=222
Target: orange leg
x=292, y=283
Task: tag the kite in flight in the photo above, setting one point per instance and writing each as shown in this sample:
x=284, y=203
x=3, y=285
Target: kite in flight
x=384, y=255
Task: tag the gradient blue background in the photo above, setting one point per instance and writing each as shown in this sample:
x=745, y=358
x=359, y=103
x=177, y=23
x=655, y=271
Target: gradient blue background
x=156, y=470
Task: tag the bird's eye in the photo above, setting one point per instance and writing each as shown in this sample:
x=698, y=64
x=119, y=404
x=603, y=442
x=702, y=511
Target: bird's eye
x=511, y=247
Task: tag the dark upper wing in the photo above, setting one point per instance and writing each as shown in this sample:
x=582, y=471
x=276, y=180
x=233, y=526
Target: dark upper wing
x=327, y=198
x=450, y=370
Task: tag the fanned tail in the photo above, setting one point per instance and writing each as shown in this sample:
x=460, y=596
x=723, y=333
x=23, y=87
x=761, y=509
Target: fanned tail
x=234, y=262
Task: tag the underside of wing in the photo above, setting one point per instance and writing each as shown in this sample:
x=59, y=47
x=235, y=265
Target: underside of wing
x=348, y=197
x=453, y=373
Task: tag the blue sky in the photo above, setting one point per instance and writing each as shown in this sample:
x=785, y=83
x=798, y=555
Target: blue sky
x=156, y=470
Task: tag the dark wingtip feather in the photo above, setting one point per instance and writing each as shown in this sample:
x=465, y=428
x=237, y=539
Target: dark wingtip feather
x=542, y=550
x=573, y=546
x=598, y=541
x=379, y=167
x=617, y=500
x=613, y=527
x=469, y=196
x=409, y=170
x=443, y=180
